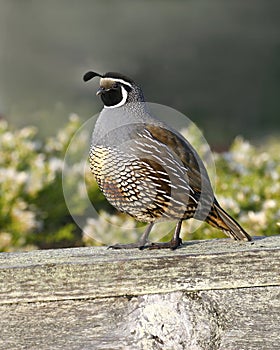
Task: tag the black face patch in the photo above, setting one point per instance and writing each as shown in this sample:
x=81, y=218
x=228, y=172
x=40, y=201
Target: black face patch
x=113, y=93
x=112, y=96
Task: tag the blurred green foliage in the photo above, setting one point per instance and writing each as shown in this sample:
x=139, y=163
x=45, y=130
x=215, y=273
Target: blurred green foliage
x=33, y=213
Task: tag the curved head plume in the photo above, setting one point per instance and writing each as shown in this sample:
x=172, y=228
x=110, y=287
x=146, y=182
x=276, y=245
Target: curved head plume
x=112, y=75
x=89, y=75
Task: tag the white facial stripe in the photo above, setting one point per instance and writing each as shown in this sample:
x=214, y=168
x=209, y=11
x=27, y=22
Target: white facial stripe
x=122, y=102
x=116, y=80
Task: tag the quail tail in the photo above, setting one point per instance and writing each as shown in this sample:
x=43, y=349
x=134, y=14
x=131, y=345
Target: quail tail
x=220, y=219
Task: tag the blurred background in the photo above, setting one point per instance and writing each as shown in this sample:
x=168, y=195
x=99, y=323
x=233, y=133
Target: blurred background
x=216, y=61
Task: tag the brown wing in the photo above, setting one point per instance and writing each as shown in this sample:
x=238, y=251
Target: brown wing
x=197, y=174
x=199, y=181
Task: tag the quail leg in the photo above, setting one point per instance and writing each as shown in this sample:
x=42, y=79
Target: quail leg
x=140, y=244
x=175, y=242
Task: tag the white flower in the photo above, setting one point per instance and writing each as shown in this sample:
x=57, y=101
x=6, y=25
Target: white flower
x=257, y=217
x=74, y=118
x=8, y=138
x=27, y=132
x=269, y=204
x=25, y=219
x=55, y=164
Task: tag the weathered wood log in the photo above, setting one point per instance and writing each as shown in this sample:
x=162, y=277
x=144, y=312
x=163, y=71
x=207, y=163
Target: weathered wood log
x=216, y=294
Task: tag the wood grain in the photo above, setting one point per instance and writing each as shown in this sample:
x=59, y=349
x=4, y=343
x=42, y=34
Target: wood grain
x=216, y=294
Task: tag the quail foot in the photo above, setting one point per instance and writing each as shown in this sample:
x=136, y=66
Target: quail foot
x=147, y=169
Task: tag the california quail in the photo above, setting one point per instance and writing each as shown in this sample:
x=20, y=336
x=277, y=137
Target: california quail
x=148, y=170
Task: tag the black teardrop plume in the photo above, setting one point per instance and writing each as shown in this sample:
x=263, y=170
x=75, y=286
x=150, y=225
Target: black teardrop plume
x=89, y=75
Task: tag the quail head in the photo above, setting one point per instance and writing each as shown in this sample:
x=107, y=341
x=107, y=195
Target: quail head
x=147, y=169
